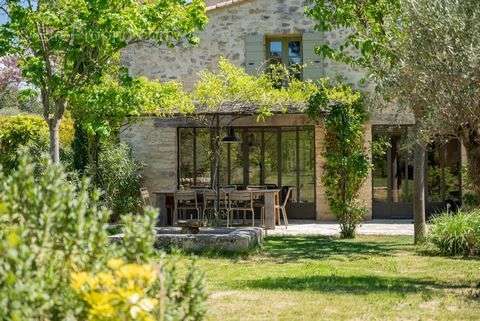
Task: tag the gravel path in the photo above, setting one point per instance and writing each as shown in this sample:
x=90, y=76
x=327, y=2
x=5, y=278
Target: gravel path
x=377, y=227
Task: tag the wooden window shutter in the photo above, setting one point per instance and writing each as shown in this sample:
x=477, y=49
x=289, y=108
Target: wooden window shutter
x=313, y=63
x=254, y=53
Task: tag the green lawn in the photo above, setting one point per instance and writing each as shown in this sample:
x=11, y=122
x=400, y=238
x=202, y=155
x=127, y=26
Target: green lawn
x=319, y=278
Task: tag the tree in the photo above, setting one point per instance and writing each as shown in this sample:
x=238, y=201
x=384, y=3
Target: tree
x=102, y=108
x=374, y=44
x=440, y=63
x=14, y=95
x=66, y=46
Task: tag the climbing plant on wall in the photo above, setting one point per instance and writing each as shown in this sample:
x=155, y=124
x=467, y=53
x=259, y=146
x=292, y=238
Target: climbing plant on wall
x=341, y=108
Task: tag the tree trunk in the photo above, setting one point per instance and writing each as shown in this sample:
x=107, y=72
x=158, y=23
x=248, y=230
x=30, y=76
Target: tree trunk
x=471, y=141
x=420, y=228
x=54, y=128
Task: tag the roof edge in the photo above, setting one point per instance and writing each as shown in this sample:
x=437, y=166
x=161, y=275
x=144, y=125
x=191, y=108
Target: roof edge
x=225, y=4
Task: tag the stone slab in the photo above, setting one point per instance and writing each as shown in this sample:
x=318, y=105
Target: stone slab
x=221, y=239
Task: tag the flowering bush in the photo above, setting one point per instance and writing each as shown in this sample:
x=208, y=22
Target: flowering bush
x=30, y=131
x=57, y=262
x=123, y=292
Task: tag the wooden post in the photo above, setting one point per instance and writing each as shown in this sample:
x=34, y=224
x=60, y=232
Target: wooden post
x=270, y=200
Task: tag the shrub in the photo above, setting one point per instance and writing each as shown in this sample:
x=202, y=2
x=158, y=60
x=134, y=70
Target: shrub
x=51, y=229
x=119, y=179
x=30, y=131
x=456, y=234
x=121, y=292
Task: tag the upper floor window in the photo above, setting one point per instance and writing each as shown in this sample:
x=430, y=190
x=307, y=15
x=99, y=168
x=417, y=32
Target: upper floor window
x=286, y=51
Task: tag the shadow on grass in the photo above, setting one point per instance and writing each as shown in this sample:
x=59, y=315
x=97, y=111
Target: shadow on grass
x=346, y=284
x=293, y=248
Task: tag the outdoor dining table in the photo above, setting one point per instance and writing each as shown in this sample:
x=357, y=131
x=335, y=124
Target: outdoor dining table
x=271, y=199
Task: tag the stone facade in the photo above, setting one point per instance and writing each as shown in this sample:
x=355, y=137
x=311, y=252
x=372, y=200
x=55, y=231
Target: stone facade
x=155, y=147
x=225, y=36
x=154, y=141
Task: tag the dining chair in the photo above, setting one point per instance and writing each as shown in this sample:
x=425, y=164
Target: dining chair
x=145, y=196
x=282, y=206
x=241, y=201
x=185, y=200
x=210, y=201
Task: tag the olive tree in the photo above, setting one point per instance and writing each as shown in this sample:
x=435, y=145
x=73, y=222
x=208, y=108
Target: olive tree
x=424, y=56
x=440, y=63
x=67, y=46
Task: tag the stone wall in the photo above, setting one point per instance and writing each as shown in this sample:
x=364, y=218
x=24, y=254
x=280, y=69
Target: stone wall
x=155, y=147
x=225, y=36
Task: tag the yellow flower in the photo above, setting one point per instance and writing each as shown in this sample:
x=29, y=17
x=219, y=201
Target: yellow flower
x=115, y=264
x=121, y=290
x=104, y=279
x=13, y=239
x=142, y=274
x=78, y=280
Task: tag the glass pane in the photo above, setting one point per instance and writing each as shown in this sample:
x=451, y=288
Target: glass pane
x=306, y=166
x=271, y=157
x=203, y=157
x=405, y=170
x=186, y=157
x=224, y=160
x=254, y=141
x=236, y=162
x=443, y=175
x=380, y=166
x=294, y=53
x=275, y=51
x=289, y=157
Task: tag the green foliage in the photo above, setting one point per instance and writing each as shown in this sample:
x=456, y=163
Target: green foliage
x=456, y=233
x=118, y=177
x=134, y=248
x=102, y=108
x=438, y=179
x=29, y=131
x=373, y=25
x=231, y=85
x=51, y=228
x=346, y=162
x=67, y=48
x=469, y=198
x=79, y=149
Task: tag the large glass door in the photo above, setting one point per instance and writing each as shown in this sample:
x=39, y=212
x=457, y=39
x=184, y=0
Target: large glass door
x=392, y=181
x=280, y=157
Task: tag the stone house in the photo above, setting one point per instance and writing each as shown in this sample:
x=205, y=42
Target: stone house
x=284, y=150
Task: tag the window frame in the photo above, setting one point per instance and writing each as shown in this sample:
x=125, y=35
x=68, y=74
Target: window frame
x=284, y=39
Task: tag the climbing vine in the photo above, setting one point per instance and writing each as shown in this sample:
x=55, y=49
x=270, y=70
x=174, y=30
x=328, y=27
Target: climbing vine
x=346, y=162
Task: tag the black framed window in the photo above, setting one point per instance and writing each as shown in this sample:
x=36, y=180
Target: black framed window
x=281, y=156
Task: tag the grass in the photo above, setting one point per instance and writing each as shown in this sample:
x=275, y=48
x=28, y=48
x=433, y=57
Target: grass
x=320, y=278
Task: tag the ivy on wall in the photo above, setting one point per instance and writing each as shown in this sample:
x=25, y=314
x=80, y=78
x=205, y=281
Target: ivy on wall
x=342, y=110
